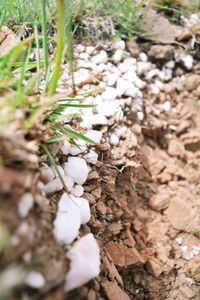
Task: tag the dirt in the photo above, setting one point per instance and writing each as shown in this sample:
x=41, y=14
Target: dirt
x=144, y=198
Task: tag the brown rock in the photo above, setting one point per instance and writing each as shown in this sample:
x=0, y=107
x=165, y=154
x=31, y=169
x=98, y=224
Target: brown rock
x=161, y=53
x=114, y=228
x=192, y=82
x=113, y=291
x=154, y=267
x=133, y=47
x=176, y=148
x=159, y=201
x=180, y=215
x=194, y=268
x=101, y=207
x=91, y=295
x=110, y=268
x=123, y=256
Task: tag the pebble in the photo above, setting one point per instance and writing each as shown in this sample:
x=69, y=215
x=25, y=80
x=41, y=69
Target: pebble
x=25, y=204
x=35, y=280
x=84, y=262
x=77, y=169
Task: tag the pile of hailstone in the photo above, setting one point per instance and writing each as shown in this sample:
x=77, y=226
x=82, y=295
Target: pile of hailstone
x=121, y=77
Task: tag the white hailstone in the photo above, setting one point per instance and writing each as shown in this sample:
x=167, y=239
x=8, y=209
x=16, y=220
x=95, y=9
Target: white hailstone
x=99, y=68
x=130, y=61
x=100, y=58
x=102, y=84
x=166, y=106
x=84, y=56
x=109, y=94
x=47, y=173
x=66, y=148
x=168, y=74
x=80, y=148
x=68, y=220
x=53, y=186
x=114, y=139
x=111, y=79
x=123, y=67
x=94, y=135
x=133, y=92
x=35, y=280
x=159, y=84
x=84, y=209
x=80, y=48
x=96, y=119
x=188, y=61
x=139, y=83
x=25, y=204
x=154, y=89
x=122, y=86
x=143, y=67
x=76, y=168
x=119, y=45
x=81, y=76
x=143, y=57
x=170, y=64
x=162, y=75
x=117, y=56
x=69, y=182
x=77, y=190
x=109, y=108
x=140, y=115
x=130, y=75
x=152, y=73
x=60, y=170
x=120, y=130
x=89, y=50
x=85, y=262
x=91, y=157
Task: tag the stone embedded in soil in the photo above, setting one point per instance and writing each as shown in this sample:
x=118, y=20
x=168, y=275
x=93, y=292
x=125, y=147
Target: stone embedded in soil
x=113, y=291
x=192, y=82
x=176, y=148
x=161, y=53
x=155, y=267
x=123, y=256
x=180, y=215
x=159, y=201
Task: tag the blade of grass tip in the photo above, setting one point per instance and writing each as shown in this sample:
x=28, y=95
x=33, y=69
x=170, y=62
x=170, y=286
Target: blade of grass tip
x=44, y=37
x=53, y=163
x=60, y=46
x=37, y=57
x=24, y=67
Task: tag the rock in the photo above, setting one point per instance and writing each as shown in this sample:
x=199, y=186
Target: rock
x=113, y=291
x=155, y=267
x=110, y=268
x=159, y=201
x=25, y=204
x=180, y=215
x=194, y=268
x=133, y=47
x=123, y=256
x=7, y=40
x=77, y=169
x=161, y=53
x=176, y=148
x=192, y=82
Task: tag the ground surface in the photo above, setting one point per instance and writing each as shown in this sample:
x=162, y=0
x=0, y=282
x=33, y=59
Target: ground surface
x=144, y=197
